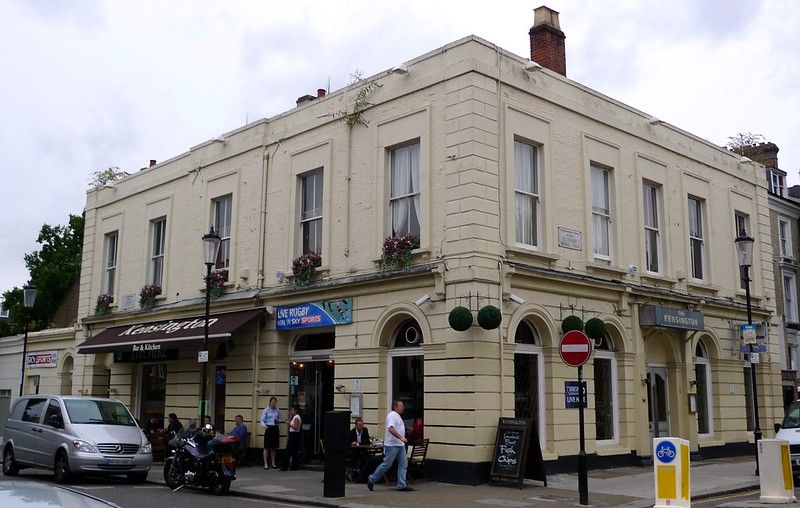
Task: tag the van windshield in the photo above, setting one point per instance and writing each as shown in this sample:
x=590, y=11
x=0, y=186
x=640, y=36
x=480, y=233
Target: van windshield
x=103, y=412
x=792, y=418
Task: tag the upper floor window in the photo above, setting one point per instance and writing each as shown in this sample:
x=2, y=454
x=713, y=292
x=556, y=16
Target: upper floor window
x=785, y=236
x=158, y=232
x=789, y=297
x=652, y=228
x=222, y=207
x=777, y=182
x=526, y=193
x=601, y=214
x=110, y=261
x=404, y=202
x=742, y=226
x=311, y=212
x=696, y=237
x=3, y=310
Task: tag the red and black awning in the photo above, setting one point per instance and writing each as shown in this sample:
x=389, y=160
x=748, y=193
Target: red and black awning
x=168, y=334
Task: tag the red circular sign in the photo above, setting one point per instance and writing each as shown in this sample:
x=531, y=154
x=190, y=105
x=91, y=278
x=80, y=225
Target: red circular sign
x=575, y=348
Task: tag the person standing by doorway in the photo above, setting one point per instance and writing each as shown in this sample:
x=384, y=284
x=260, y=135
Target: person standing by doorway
x=394, y=448
x=270, y=418
x=293, y=440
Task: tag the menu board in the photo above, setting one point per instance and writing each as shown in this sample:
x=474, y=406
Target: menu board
x=514, y=443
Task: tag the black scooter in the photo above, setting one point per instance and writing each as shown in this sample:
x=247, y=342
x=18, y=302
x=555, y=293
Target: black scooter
x=191, y=466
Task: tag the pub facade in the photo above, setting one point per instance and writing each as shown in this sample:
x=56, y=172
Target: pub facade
x=515, y=188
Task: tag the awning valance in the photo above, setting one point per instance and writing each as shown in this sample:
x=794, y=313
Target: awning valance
x=169, y=334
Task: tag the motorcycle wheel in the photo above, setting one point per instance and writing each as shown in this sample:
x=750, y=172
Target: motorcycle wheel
x=172, y=476
x=218, y=485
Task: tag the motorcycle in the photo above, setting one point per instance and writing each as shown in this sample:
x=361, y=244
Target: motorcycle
x=190, y=465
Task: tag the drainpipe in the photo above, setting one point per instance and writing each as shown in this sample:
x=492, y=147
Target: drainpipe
x=347, y=193
x=262, y=221
x=256, y=367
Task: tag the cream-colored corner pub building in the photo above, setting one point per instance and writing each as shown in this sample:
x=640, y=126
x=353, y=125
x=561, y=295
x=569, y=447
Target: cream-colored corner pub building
x=517, y=181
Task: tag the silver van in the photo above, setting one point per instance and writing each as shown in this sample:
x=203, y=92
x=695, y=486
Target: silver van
x=75, y=435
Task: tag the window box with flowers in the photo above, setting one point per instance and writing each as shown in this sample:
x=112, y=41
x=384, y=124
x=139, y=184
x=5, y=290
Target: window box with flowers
x=147, y=296
x=304, y=268
x=216, y=283
x=103, y=306
x=396, y=252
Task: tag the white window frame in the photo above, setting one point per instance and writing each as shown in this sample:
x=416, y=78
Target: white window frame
x=741, y=223
x=694, y=238
x=307, y=217
x=158, y=238
x=393, y=199
x=785, y=238
x=705, y=362
x=531, y=349
x=777, y=182
x=789, y=296
x=610, y=355
x=110, y=262
x=601, y=214
x=529, y=195
x=222, y=216
x=791, y=356
x=653, y=229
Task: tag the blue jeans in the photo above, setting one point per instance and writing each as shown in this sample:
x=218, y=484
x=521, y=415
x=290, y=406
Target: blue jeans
x=390, y=453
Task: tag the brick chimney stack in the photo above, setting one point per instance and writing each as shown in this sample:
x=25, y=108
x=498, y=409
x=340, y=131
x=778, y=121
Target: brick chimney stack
x=764, y=153
x=547, y=40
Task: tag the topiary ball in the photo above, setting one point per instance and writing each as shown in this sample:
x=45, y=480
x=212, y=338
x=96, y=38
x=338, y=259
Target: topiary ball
x=460, y=319
x=571, y=323
x=595, y=328
x=489, y=317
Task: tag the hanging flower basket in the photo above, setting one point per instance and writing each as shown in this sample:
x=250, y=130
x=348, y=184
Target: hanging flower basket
x=216, y=283
x=570, y=323
x=595, y=329
x=396, y=253
x=147, y=296
x=489, y=317
x=304, y=268
x=460, y=319
x=103, y=306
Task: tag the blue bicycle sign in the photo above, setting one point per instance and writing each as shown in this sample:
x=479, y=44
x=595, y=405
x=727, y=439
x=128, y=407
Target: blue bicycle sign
x=666, y=452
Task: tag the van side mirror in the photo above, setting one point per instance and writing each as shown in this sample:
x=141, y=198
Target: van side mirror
x=56, y=421
x=777, y=427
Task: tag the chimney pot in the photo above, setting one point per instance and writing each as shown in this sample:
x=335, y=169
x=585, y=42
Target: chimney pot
x=320, y=92
x=547, y=40
x=153, y=162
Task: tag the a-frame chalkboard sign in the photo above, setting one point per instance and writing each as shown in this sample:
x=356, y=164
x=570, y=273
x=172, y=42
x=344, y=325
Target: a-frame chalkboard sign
x=517, y=453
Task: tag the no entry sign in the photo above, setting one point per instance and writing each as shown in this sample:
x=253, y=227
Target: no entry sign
x=575, y=348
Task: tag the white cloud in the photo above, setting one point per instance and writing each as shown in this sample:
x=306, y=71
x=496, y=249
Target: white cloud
x=88, y=85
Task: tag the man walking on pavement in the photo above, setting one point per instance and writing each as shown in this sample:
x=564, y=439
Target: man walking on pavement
x=393, y=448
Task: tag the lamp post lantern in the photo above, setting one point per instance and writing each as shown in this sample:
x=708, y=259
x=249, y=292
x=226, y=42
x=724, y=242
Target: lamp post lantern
x=744, y=253
x=29, y=298
x=211, y=242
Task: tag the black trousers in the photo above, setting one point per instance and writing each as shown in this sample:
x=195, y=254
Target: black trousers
x=292, y=451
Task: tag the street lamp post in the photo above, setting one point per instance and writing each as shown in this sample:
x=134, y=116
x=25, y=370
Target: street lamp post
x=211, y=242
x=29, y=298
x=744, y=251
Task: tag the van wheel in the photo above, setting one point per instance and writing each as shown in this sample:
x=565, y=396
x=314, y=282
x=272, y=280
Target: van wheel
x=61, y=468
x=10, y=466
x=137, y=477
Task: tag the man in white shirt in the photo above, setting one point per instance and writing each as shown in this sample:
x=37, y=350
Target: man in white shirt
x=393, y=448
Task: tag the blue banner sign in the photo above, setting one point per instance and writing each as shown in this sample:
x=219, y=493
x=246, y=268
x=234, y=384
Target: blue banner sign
x=314, y=314
x=572, y=395
x=754, y=348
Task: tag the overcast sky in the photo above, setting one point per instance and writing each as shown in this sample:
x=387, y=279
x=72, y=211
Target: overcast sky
x=87, y=85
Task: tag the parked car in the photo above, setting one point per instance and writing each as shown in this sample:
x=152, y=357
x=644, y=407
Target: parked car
x=73, y=436
x=789, y=431
x=42, y=495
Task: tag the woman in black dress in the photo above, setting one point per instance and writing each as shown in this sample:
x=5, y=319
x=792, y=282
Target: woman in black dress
x=270, y=418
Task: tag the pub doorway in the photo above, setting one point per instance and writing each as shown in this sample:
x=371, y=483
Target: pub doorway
x=152, y=391
x=407, y=377
x=311, y=383
x=657, y=401
x=219, y=380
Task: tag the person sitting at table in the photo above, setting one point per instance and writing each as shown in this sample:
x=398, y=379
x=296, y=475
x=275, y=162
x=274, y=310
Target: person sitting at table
x=359, y=435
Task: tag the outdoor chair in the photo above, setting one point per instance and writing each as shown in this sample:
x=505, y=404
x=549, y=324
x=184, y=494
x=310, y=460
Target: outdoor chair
x=416, y=460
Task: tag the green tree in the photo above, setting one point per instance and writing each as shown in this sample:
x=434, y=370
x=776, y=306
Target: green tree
x=52, y=269
x=742, y=142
